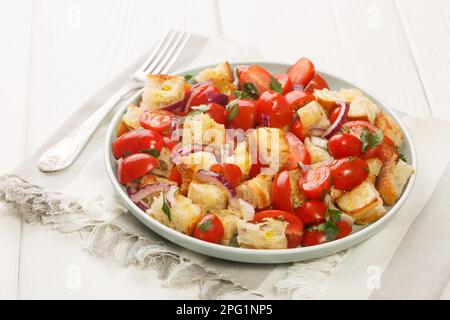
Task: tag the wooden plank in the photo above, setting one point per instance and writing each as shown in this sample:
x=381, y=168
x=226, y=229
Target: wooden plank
x=427, y=27
x=15, y=30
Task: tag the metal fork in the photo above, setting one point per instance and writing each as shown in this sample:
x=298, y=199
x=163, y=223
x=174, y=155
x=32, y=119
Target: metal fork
x=63, y=154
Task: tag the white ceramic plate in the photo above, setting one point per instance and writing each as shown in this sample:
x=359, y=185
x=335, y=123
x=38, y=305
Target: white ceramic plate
x=251, y=255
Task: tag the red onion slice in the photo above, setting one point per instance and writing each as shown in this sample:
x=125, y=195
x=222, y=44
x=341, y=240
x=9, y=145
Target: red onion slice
x=217, y=97
x=304, y=167
x=248, y=211
x=336, y=126
x=148, y=190
x=192, y=93
x=218, y=180
x=177, y=106
x=142, y=205
x=298, y=87
x=265, y=121
x=170, y=196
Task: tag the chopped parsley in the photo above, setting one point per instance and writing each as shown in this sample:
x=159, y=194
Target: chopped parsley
x=203, y=108
x=370, y=140
x=241, y=95
x=276, y=86
x=331, y=230
x=251, y=90
x=402, y=157
x=232, y=110
x=165, y=208
x=205, y=226
x=190, y=79
x=151, y=152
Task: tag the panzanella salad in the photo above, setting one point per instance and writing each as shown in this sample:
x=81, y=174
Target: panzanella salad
x=258, y=160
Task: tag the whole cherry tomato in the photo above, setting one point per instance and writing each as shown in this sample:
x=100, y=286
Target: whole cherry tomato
x=217, y=113
x=135, y=166
x=298, y=99
x=231, y=172
x=140, y=140
x=273, y=108
x=285, y=82
x=258, y=76
x=156, y=120
x=312, y=212
x=209, y=229
x=317, y=83
x=298, y=129
x=281, y=192
x=302, y=72
x=202, y=94
x=344, y=145
x=349, y=173
x=313, y=238
x=245, y=117
x=315, y=183
x=298, y=152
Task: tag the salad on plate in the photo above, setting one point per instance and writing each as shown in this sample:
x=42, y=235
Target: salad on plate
x=251, y=159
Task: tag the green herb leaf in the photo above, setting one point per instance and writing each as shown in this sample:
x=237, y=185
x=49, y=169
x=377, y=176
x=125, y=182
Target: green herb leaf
x=345, y=129
x=251, y=90
x=333, y=215
x=370, y=140
x=151, y=152
x=276, y=86
x=232, y=110
x=190, y=79
x=205, y=226
x=203, y=108
x=331, y=230
x=402, y=157
x=165, y=208
x=241, y=95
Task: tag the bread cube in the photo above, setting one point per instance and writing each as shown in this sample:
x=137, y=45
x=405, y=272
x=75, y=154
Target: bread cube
x=221, y=77
x=389, y=128
x=191, y=164
x=269, y=234
x=313, y=115
x=132, y=116
x=362, y=108
x=229, y=218
x=162, y=91
x=207, y=196
x=241, y=158
x=327, y=99
x=201, y=129
x=350, y=94
x=257, y=191
x=375, y=165
x=392, y=179
x=317, y=154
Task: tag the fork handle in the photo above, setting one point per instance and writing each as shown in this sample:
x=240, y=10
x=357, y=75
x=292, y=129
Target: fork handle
x=63, y=154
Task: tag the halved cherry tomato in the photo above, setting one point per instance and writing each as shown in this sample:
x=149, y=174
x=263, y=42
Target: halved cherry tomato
x=298, y=99
x=294, y=229
x=334, y=114
x=257, y=75
x=140, y=140
x=246, y=115
x=202, y=94
x=344, y=229
x=229, y=171
x=157, y=120
x=349, y=173
x=312, y=212
x=169, y=143
x=209, y=229
x=317, y=83
x=281, y=192
x=285, y=82
x=298, y=129
x=217, y=112
x=175, y=176
x=344, y=145
x=255, y=169
x=298, y=152
x=275, y=107
x=357, y=127
x=135, y=166
x=313, y=238
x=315, y=182
x=302, y=72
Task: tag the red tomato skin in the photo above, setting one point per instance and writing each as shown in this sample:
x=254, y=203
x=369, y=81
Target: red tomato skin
x=313, y=238
x=349, y=173
x=344, y=229
x=385, y=151
x=215, y=232
x=246, y=116
x=217, y=113
x=136, y=141
x=344, y=145
x=285, y=82
x=315, y=182
x=312, y=212
x=156, y=120
x=135, y=166
x=281, y=192
x=175, y=176
x=169, y=143
x=298, y=152
x=298, y=129
x=257, y=75
x=255, y=170
x=302, y=72
x=334, y=114
x=201, y=94
x=298, y=99
x=275, y=106
x=317, y=83
x=231, y=172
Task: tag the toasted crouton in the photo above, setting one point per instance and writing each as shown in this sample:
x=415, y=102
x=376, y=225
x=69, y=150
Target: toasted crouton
x=189, y=165
x=372, y=215
x=362, y=108
x=201, y=129
x=229, y=218
x=241, y=158
x=313, y=115
x=151, y=178
x=298, y=198
x=162, y=91
x=350, y=94
x=269, y=234
x=360, y=201
x=336, y=193
x=221, y=77
x=132, y=116
x=389, y=128
x=375, y=165
x=392, y=179
x=207, y=196
x=183, y=214
x=317, y=154
x=327, y=99
x=165, y=163
x=257, y=191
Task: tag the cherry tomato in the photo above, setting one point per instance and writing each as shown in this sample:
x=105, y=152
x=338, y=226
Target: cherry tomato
x=349, y=173
x=317, y=83
x=175, y=176
x=312, y=212
x=245, y=118
x=275, y=107
x=217, y=112
x=156, y=120
x=315, y=182
x=313, y=238
x=302, y=72
x=299, y=98
x=209, y=229
x=294, y=229
x=169, y=143
x=298, y=152
x=140, y=140
x=202, y=94
x=255, y=170
x=285, y=82
x=357, y=127
x=334, y=114
x=229, y=171
x=257, y=75
x=344, y=145
x=298, y=129
x=135, y=166
x=344, y=228
x=281, y=192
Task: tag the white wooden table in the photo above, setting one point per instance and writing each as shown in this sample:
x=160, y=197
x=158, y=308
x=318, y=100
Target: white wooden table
x=56, y=53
